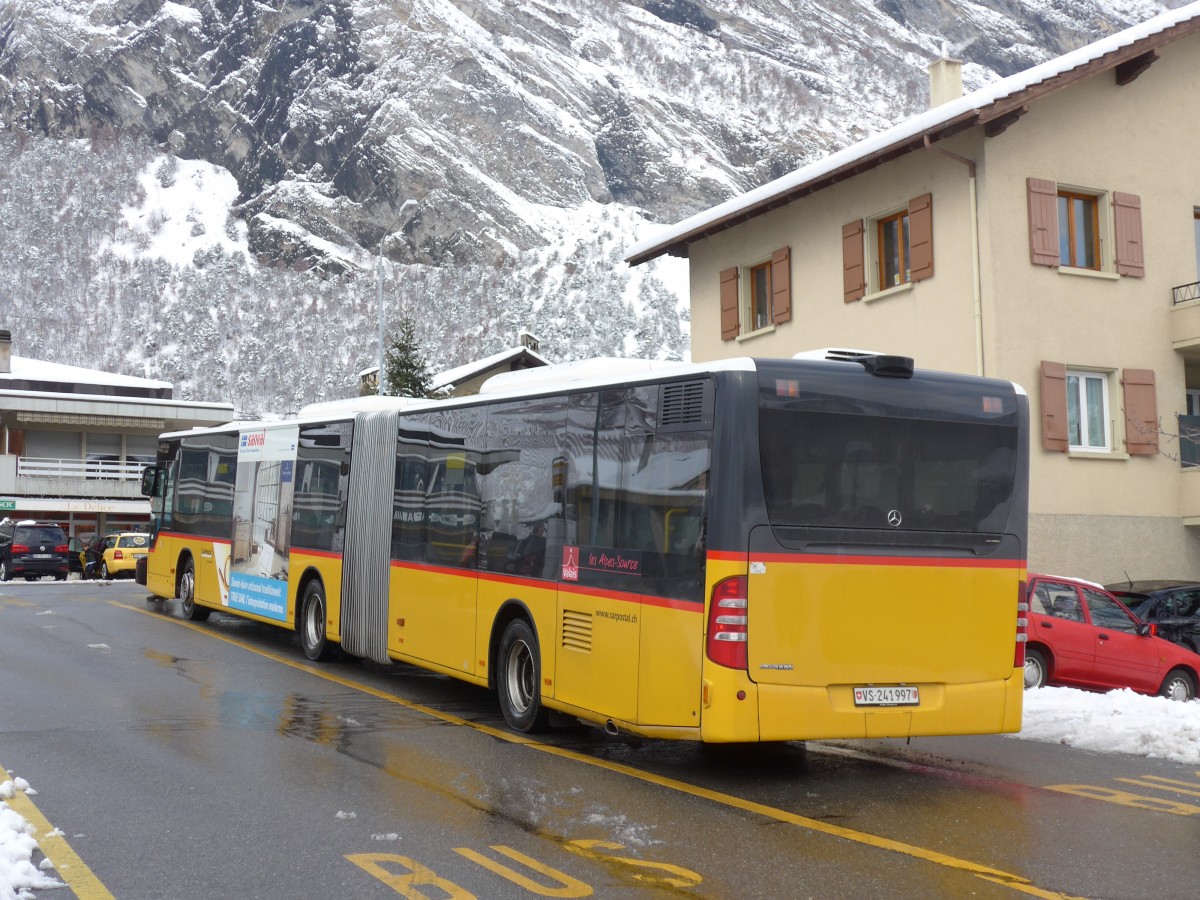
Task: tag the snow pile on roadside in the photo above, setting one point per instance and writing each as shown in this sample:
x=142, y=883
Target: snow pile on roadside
x=1116, y=722
x=18, y=875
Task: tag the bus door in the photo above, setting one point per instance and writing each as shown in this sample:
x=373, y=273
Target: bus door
x=434, y=585
x=599, y=596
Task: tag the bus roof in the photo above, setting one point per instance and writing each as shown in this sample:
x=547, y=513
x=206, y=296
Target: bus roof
x=578, y=375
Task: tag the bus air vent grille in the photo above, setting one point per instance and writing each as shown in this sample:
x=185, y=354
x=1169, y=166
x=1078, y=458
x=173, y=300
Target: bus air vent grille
x=685, y=405
x=577, y=630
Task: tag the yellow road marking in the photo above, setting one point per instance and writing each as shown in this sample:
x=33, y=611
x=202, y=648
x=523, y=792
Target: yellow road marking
x=997, y=876
x=67, y=863
x=1165, y=784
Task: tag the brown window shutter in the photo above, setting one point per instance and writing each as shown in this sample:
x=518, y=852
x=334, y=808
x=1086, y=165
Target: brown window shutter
x=1054, y=407
x=920, y=237
x=1141, y=412
x=1128, y=208
x=781, y=285
x=1043, y=222
x=854, y=270
x=729, y=304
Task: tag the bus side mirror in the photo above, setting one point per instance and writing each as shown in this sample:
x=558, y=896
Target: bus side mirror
x=150, y=481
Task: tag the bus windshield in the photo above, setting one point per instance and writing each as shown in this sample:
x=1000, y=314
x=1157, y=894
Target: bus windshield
x=850, y=470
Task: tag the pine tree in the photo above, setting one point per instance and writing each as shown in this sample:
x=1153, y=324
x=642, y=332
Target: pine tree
x=406, y=373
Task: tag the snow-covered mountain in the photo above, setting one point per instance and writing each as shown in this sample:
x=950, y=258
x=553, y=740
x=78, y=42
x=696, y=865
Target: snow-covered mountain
x=218, y=178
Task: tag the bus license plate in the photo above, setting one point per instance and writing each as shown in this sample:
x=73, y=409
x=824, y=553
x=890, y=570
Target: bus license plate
x=886, y=696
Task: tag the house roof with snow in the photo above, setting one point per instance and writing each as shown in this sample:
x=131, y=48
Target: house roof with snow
x=36, y=391
x=24, y=371
x=506, y=361
x=995, y=107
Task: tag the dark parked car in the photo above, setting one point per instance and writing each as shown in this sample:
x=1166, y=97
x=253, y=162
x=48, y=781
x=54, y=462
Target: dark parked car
x=31, y=549
x=1081, y=636
x=1174, y=606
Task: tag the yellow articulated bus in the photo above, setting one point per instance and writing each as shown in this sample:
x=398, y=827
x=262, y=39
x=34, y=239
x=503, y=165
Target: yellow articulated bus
x=747, y=550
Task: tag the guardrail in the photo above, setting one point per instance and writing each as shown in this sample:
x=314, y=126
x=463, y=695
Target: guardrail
x=42, y=467
x=1185, y=292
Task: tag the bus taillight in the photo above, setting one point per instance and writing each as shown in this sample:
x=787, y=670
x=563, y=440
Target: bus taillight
x=727, y=623
x=1022, y=625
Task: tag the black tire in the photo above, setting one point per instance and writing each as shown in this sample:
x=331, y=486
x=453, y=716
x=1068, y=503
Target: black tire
x=519, y=679
x=1037, y=673
x=1178, y=685
x=187, y=594
x=5, y=572
x=104, y=570
x=61, y=576
x=311, y=624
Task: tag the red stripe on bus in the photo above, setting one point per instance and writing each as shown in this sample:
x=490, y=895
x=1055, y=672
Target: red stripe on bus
x=323, y=554
x=819, y=559
x=581, y=590
x=193, y=538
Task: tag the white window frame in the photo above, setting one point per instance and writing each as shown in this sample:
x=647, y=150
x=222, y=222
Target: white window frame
x=1193, y=402
x=1196, y=229
x=1103, y=377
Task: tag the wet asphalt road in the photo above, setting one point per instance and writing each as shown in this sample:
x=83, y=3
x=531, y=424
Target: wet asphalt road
x=202, y=761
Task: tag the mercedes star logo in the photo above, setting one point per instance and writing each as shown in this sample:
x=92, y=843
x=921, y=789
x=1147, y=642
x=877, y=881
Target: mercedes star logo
x=894, y=518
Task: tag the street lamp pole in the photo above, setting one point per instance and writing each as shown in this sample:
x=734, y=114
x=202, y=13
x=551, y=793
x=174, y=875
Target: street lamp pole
x=404, y=208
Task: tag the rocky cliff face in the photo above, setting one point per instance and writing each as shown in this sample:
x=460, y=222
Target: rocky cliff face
x=330, y=113
x=232, y=214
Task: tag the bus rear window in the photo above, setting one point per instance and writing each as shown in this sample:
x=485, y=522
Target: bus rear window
x=866, y=471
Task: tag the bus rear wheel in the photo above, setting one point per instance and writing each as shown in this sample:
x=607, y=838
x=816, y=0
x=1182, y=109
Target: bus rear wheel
x=187, y=593
x=520, y=678
x=312, y=624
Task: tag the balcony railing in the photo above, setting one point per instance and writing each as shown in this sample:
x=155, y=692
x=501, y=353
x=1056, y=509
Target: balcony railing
x=1186, y=292
x=42, y=467
x=1189, y=441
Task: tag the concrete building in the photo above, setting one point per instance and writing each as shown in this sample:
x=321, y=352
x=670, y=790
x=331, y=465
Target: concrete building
x=1044, y=229
x=73, y=441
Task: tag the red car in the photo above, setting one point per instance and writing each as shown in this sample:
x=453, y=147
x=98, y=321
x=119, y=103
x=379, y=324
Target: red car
x=1081, y=636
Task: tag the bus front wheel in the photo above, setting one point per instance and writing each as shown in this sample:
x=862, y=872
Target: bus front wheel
x=187, y=593
x=520, y=677
x=312, y=624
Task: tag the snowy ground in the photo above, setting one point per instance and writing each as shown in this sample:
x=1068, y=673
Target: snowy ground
x=1119, y=722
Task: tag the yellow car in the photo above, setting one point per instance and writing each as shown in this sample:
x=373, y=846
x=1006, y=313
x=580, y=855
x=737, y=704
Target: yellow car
x=121, y=552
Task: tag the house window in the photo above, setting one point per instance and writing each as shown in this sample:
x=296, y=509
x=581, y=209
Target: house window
x=1196, y=229
x=891, y=246
x=900, y=246
x=1193, y=402
x=756, y=297
x=757, y=313
x=1078, y=230
x=1087, y=411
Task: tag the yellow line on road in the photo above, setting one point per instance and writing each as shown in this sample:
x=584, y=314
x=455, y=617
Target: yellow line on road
x=67, y=863
x=997, y=876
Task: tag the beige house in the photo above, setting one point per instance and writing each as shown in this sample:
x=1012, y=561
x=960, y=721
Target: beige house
x=1045, y=230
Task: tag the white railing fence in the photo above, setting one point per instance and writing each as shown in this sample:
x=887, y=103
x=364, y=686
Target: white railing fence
x=40, y=467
